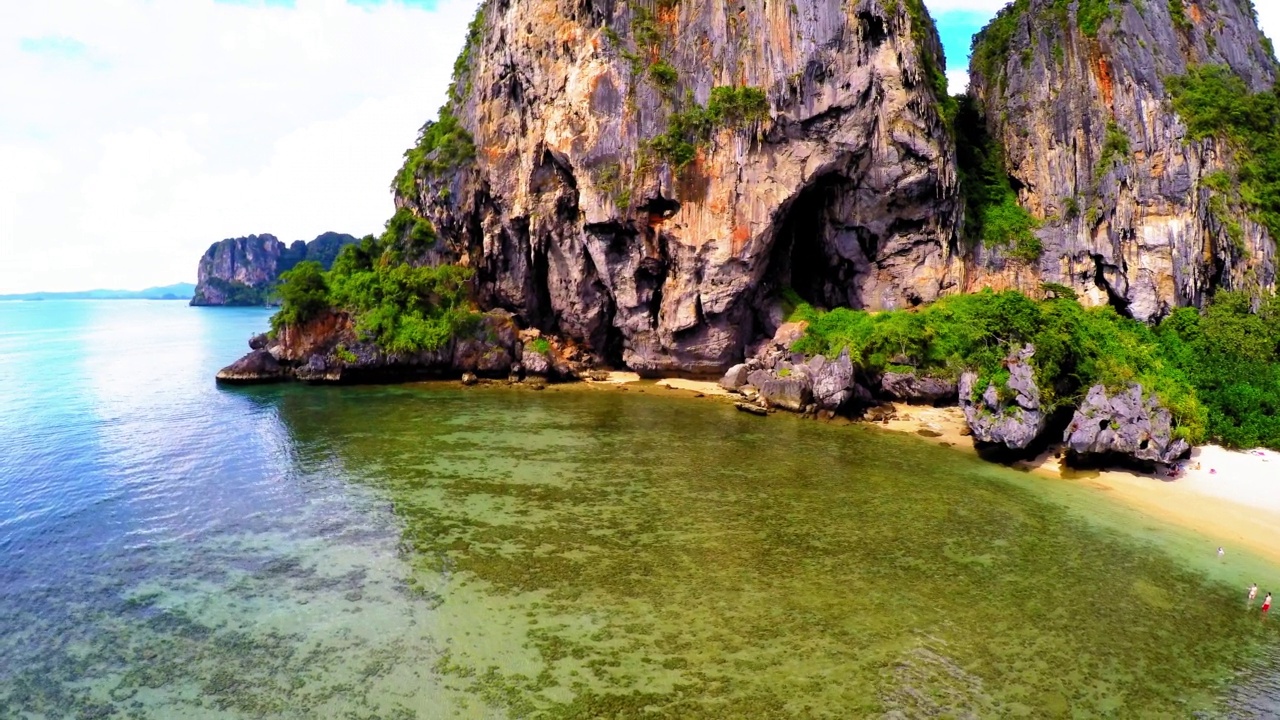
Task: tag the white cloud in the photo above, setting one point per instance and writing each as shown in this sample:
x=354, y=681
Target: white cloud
x=957, y=81
x=139, y=131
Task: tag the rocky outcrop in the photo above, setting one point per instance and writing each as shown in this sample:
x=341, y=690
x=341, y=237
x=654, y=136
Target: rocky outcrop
x=327, y=349
x=1126, y=423
x=1079, y=104
x=242, y=271
x=1012, y=418
x=909, y=387
x=646, y=180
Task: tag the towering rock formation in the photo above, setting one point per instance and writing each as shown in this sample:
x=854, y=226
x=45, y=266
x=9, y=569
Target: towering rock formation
x=647, y=177
x=1075, y=93
x=241, y=271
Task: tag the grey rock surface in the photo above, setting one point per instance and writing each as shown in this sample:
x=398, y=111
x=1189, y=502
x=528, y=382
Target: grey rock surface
x=1127, y=422
x=787, y=393
x=848, y=176
x=832, y=381
x=1131, y=226
x=736, y=377
x=1015, y=422
x=912, y=388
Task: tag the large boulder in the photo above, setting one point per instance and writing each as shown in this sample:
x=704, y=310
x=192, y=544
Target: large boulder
x=792, y=393
x=912, y=388
x=1013, y=419
x=1124, y=423
x=832, y=381
x=736, y=377
x=258, y=366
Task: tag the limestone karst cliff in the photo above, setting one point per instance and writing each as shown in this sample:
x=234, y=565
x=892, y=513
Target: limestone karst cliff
x=647, y=177
x=241, y=271
x=1132, y=209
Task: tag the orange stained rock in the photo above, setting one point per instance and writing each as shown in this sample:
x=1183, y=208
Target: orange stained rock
x=1196, y=15
x=740, y=237
x=1105, y=81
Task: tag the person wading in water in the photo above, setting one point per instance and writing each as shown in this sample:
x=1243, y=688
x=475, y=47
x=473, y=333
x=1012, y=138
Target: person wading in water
x=1266, y=605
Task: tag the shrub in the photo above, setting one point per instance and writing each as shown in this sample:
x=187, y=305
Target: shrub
x=303, y=293
x=442, y=145
x=1214, y=102
x=663, y=75
x=1076, y=347
x=993, y=216
x=541, y=346
x=690, y=128
x=400, y=307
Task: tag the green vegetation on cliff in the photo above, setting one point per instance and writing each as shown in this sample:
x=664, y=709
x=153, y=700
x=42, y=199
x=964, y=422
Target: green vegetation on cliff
x=400, y=307
x=1215, y=103
x=444, y=144
x=1218, y=372
x=693, y=126
x=993, y=216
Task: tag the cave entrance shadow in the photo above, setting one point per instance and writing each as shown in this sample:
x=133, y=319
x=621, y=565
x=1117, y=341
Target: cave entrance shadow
x=815, y=239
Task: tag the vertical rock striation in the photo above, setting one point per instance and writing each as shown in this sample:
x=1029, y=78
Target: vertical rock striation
x=242, y=271
x=1075, y=94
x=647, y=178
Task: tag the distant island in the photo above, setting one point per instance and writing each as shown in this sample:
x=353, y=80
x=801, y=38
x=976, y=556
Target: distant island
x=177, y=291
x=246, y=270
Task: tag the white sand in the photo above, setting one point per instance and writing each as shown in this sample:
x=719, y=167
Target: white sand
x=1232, y=497
x=618, y=378
x=697, y=386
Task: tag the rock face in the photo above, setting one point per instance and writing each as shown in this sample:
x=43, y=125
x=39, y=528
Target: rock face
x=1014, y=422
x=912, y=388
x=240, y=271
x=1096, y=152
x=646, y=181
x=1126, y=423
x=327, y=349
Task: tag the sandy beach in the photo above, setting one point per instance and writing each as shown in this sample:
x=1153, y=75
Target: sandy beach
x=1230, y=496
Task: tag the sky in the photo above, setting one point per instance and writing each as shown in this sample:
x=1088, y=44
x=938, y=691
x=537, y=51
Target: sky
x=134, y=133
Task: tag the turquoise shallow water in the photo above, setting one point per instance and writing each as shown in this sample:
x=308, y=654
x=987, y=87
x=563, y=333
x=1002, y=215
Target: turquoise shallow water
x=175, y=550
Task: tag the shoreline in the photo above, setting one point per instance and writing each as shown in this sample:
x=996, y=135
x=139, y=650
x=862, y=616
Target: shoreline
x=1231, y=497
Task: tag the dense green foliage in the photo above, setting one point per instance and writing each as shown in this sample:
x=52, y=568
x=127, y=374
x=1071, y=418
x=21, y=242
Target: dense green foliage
x=1232, y=357
x=690, y=128
x=303, y=292
x=400, y=307
x=324, y=250
x=993, y=216
x=409, y=231
x=1218, y=372
x=1214, y=102
x=443, y=145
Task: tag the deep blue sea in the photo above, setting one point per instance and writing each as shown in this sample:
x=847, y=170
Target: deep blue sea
x=172, y=549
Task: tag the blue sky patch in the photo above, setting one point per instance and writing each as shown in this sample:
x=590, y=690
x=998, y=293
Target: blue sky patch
x=957, y=27
x=53, y=46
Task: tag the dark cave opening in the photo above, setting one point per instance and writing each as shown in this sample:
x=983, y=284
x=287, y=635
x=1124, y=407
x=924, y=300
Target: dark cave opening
x=804, y=259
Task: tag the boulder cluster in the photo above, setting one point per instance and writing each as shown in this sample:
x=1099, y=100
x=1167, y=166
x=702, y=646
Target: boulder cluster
x=1128, y=425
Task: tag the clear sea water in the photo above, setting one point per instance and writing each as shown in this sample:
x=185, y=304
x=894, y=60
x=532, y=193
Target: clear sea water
x=170, y=549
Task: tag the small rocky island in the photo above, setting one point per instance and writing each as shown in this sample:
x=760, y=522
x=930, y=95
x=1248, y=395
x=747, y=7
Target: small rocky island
x=243, y=271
